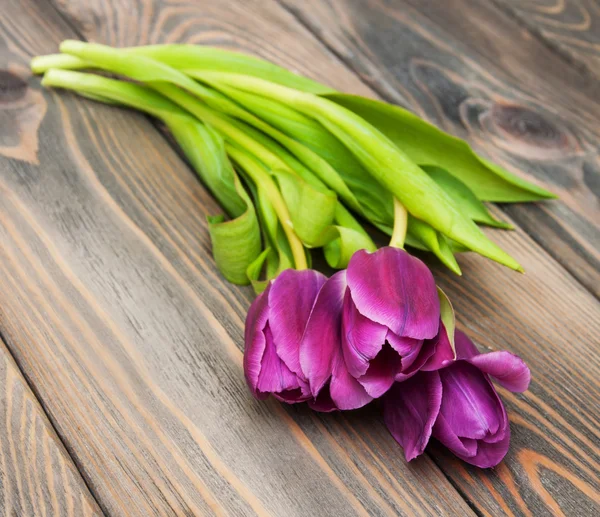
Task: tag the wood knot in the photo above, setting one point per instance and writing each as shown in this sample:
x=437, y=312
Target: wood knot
x=12, y=87
x=529, y=127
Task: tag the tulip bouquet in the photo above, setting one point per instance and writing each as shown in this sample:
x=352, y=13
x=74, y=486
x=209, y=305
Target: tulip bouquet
x=381, y=329
x=299, y=167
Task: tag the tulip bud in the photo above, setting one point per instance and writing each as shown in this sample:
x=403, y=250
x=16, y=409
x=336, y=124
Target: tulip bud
x=391, y=306
x=274, y=328
x=376, y=321
x=457, y=405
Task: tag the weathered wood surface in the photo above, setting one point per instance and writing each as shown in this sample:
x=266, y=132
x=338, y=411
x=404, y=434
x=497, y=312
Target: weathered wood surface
x=570, y=27
x=116, y=313
x=37, y=476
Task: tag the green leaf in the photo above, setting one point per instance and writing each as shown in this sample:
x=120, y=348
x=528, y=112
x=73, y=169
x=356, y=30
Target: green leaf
x=448, y=318
x=433, y=241
x=271, y=202
x=464, y=196
x=277, y=256
x=236, y=244
x=426, y=144
x=312, y=212
x=333, y=164
x=339, y=251
x=210, y=161
x=390, y=166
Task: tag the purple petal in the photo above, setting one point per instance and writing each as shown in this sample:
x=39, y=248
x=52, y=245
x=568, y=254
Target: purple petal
x=322, y=338
x=291, y=299
x=381, y=373
x=476, y=452
x=470, y=405
x=410, y=410
x=415, y=361
x=300, y=394
x=255, y=342
x=472, y=422
x=443, y=353
x=346, y=391
x=491, y=454
x=362, y=338
x=274, y=376
x=323, y=403
x=464, y=448
x=395, y=289
x=508, y=369
x=465, y=348
x=405, y=346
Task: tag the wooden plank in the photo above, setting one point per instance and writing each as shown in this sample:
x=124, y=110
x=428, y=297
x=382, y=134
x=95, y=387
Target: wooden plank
x=570, y=27
x=483, y=78
x=37, y=476
x=114, y=308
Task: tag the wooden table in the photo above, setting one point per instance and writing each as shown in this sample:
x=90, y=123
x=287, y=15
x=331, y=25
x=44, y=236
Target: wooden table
x=121, y=385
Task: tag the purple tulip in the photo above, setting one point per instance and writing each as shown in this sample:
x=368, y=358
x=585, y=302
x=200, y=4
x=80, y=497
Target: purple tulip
x=457, y=405
x=368, y=326
x=391, y=306
x=274, y=328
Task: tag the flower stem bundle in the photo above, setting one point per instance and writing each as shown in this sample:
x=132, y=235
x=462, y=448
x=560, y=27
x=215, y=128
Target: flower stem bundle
x=294, y=164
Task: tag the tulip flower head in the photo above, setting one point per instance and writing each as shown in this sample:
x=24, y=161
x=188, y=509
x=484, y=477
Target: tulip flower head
x=340, y=343
x=457, y=405
x=274, y=328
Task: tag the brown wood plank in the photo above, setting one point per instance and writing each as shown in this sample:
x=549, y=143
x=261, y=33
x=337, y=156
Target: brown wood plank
x=474, y=72
x=570, y=27
x=37, y=476
x=114, y=309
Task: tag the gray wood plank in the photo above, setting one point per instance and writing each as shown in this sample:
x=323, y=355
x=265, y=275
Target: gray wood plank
x=37, y=475
x=569, y=27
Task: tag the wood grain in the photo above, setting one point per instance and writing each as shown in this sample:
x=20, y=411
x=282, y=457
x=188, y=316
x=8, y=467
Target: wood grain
x=118, y=293
x=570, y=27
x=37, y=476
x=474, y=72
x=116, y=312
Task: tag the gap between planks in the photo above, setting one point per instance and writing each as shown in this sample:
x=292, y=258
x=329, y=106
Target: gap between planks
x=5, y=348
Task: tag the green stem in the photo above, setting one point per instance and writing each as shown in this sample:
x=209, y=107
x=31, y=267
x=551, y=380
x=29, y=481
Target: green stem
x=400, y=225
x=112, y=90
x=41, y=64
x=263, y=180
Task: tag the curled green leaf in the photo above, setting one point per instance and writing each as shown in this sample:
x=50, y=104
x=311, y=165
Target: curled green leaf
x=448, y=318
